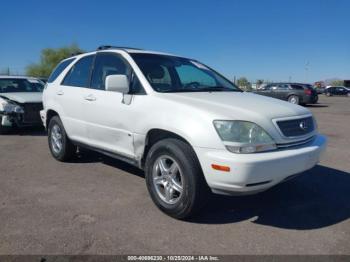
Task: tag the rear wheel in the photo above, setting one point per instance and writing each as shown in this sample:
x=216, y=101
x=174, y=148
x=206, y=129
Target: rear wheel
x=293, y=99
x=60, y=146
x=174, y=178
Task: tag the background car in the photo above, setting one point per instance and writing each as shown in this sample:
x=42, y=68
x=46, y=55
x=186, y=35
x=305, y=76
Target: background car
x=320, y=90
x=337, y=91
x=20, y=102
x=295, y=93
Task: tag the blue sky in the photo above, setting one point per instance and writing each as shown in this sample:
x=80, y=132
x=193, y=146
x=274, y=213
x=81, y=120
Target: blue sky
x=266, y=39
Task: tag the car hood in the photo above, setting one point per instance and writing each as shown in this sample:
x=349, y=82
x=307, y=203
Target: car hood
x=25, y=97
x=239, y=105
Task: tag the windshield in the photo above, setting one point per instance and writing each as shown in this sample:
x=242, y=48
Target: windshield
x=170, y=74
x=11, y=85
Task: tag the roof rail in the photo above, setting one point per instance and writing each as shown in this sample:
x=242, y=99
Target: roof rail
x=76, y=53
x=105, y=47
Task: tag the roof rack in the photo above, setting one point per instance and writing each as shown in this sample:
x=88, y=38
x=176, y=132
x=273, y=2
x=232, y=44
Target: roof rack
x=76, y=53
x=105, y=47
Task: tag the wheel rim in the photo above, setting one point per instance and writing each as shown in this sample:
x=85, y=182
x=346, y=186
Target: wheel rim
x=56, y=139
x=167, y=179
x=293, y=100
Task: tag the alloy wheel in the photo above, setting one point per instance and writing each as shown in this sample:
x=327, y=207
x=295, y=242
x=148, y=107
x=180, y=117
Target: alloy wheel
x=168, y=179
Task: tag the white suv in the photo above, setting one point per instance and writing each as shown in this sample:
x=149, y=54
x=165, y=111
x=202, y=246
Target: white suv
x=189, y=128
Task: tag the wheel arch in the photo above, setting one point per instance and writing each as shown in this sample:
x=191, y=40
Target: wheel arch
x=157, y=134
x=49, y=115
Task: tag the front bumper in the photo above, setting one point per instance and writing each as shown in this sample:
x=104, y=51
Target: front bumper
x=253, y=173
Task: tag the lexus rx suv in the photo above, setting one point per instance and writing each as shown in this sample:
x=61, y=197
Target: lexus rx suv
x=20, y=102
x=190, y=129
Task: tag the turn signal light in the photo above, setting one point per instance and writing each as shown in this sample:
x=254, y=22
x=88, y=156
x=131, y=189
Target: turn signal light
x=221, y=168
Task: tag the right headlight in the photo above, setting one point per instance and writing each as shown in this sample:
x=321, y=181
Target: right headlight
x=244, y=137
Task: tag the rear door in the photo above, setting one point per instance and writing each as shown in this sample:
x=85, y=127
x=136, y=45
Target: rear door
x=298, y=90
x=282, y=91
x=70, y=95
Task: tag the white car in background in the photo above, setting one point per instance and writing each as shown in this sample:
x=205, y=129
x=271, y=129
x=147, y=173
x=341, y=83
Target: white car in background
x=20, y=102
x=189, y=128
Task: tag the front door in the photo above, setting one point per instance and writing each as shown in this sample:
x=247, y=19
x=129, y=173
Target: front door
x=107, y=116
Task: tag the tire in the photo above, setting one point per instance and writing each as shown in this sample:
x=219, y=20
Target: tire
x=63, y=149
x=188, y=176
x=293, y=99
x=328, y=94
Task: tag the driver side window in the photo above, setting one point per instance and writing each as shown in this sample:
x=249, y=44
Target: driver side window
x=108, y=64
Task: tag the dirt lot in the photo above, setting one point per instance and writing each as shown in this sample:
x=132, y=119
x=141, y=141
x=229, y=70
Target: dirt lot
x=98, y=205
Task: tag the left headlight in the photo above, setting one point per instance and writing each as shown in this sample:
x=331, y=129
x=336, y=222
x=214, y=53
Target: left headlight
x=244, y=137
x=9, y=107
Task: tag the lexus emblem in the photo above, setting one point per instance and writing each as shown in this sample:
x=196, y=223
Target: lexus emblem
x=303, y=125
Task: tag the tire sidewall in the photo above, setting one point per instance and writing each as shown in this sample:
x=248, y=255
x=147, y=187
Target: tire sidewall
x=296, y=97
x=57, y=121
x=189, y=183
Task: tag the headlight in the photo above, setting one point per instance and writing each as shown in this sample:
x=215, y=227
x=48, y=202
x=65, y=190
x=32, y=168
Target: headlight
x=9, y=107
x=243, y=137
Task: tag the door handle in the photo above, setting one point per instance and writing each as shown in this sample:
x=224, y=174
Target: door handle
x=90, y=98
x=60, y=92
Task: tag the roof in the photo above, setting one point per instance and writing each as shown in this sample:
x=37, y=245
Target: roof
x=130, y=50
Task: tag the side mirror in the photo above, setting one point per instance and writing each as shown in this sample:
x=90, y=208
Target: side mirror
x=117, y=83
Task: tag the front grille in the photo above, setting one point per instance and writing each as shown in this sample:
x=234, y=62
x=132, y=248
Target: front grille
x=296, y=127
x=31, y=112
x=296, y=144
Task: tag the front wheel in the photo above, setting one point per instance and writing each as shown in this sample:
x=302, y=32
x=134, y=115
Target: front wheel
x=293, y=99
x=61, y=147
x=174, y=178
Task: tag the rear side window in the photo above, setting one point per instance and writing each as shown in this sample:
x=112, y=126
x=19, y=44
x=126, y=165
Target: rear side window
x=79, y=74
x=297, y=87
x=58, y=70
x=283, y=87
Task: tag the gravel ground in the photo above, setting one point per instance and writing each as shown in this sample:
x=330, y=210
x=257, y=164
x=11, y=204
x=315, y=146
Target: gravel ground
x=97, y=205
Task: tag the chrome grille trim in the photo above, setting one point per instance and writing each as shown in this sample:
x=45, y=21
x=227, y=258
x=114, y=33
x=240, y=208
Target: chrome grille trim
x=295, y=144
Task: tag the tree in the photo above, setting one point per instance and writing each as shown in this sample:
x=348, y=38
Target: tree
x=49, y=58
x=259, y=81
x=337, y=83
x=244, y=83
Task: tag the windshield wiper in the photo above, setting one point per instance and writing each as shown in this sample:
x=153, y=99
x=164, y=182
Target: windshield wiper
x=217, y=88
